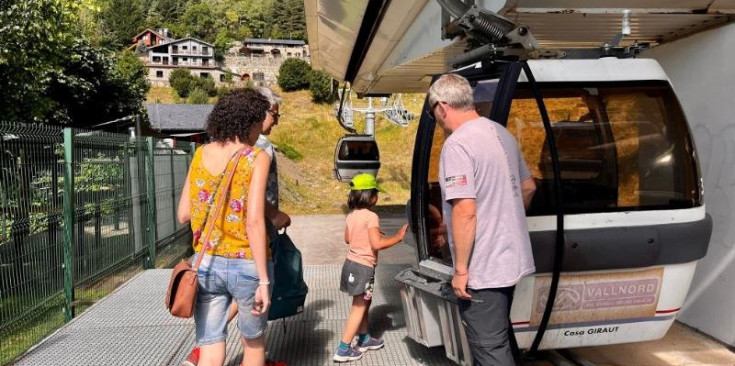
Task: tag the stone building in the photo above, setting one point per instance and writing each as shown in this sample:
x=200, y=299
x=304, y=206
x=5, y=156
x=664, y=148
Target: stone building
x=258, y=59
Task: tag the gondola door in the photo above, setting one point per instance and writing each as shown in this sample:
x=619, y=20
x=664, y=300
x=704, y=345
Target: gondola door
x=494, y=86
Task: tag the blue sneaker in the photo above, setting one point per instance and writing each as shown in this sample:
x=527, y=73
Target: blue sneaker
x=370, y=344
x=351, y=354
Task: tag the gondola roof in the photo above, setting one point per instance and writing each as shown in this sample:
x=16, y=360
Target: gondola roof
x=384, y=46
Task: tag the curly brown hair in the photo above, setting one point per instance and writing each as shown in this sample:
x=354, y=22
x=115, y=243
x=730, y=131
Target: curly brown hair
x=235, y=114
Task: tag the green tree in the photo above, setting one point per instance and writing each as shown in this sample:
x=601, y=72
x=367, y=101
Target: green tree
x=120, y=21
x=133, y=72
x=290, y=19
x=96, y=86
x=49, y=72
x=35, y=36
x=321, y=88
x=181, y=80
x=276, y=32
x=205, y=84
x=222, y=43
x=255, y=15
x=169, y=10
x=154, y=20
x=198, y=96
x=198, y=21
x=294, y=74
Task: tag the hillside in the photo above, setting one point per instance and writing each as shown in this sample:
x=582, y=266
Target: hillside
x=306, y=137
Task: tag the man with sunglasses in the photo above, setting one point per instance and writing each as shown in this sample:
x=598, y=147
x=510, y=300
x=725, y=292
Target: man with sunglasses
x=277, y=219
x=486, y=187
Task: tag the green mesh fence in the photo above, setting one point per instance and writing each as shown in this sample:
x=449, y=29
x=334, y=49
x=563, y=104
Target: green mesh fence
x=125, y=192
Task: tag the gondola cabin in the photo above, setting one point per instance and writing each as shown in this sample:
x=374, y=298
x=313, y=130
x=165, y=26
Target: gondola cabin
x=622, y=233
x=356, y=154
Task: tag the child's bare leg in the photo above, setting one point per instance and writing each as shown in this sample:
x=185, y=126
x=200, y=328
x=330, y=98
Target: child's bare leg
x=355, y=320
x=364, y=323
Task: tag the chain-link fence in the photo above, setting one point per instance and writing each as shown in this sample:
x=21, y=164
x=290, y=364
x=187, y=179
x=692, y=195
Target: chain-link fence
x=125, y=193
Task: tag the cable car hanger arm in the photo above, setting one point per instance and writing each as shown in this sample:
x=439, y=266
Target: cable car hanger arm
x=488, y=26
x=341, y=108
x=504, y=38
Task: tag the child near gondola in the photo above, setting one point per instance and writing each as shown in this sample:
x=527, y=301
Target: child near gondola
x=365, y=239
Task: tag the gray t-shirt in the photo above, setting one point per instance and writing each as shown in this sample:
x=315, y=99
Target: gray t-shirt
x=271, y=188
x=481, y=160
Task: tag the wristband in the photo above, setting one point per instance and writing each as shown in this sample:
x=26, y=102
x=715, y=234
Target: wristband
x=456, y=273
x=264, y=283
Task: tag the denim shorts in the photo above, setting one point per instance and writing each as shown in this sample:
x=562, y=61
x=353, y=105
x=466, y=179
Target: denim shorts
x=222, y=280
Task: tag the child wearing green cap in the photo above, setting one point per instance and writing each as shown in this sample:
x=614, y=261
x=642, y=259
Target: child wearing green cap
x=365, y=239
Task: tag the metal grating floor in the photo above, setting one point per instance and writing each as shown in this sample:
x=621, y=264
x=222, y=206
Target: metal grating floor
x=131, y=327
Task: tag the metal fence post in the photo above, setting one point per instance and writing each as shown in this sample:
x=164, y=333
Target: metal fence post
x=68, y=222
x=173, y=188
x=151, y=197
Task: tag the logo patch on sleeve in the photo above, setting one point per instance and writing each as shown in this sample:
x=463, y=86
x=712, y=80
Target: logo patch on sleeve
x=455, y=181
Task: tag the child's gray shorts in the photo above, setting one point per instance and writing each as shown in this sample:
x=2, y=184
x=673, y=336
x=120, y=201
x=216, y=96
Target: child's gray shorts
x=357, y=279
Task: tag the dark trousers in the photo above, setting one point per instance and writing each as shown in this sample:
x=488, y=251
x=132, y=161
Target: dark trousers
x=486, y=320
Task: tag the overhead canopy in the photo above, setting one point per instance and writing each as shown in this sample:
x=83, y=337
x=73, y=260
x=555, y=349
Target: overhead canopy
x=389, y=46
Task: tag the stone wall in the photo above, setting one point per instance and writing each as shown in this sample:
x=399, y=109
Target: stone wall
x=262, y=70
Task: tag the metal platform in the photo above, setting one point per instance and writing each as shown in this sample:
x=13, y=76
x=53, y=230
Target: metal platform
x=132, y=327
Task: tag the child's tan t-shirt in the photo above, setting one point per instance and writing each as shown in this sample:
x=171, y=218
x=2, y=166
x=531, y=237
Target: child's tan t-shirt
x=358, y=223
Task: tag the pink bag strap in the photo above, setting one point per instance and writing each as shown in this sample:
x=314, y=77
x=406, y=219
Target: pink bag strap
x=221, y=193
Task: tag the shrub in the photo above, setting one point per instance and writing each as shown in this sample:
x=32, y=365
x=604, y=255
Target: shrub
x=289, y=151
x=294, y=74
x=221, y=91
x=322, y=91
x=198, y=96
x=181, y=81
x=206, y=84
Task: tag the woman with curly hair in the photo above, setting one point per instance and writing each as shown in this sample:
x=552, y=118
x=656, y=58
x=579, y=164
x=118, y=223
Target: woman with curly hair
x=236, y=262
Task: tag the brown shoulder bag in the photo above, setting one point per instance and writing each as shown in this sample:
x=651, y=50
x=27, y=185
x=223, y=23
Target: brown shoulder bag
x=181, y=297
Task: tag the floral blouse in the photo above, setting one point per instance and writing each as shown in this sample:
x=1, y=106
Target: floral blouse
x=229, y=237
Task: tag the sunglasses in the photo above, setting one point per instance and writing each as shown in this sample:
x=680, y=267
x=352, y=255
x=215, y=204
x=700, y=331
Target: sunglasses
x=430, y=112
x=275, y=115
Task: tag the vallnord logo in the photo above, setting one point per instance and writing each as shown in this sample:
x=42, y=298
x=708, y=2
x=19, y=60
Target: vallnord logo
x=600, y=295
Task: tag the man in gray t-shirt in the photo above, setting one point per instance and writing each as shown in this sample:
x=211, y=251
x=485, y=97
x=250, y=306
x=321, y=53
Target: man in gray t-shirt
x=485, y=186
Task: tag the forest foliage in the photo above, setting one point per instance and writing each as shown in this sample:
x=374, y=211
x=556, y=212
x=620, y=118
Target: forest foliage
x=65, y=61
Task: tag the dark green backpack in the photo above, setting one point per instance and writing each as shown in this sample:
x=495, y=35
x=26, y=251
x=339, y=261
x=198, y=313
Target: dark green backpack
x=289, y=288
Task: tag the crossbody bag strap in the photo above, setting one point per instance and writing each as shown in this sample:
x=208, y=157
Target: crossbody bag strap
x=219, y=200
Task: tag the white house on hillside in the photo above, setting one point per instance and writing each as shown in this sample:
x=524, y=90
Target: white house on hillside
x=189, y=53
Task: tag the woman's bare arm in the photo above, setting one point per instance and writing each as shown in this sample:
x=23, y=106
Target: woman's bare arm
x=183, y=213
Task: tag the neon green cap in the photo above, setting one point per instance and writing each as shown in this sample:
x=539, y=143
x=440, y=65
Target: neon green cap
x=365, y=181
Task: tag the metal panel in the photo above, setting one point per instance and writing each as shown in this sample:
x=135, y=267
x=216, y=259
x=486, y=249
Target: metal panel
x=570, y=30
x=332, y=28
x=397, y=19
x=132, y=327
x=416, y=50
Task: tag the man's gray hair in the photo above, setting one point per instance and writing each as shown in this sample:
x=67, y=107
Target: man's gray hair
x=454, y=90
x=273, y=98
